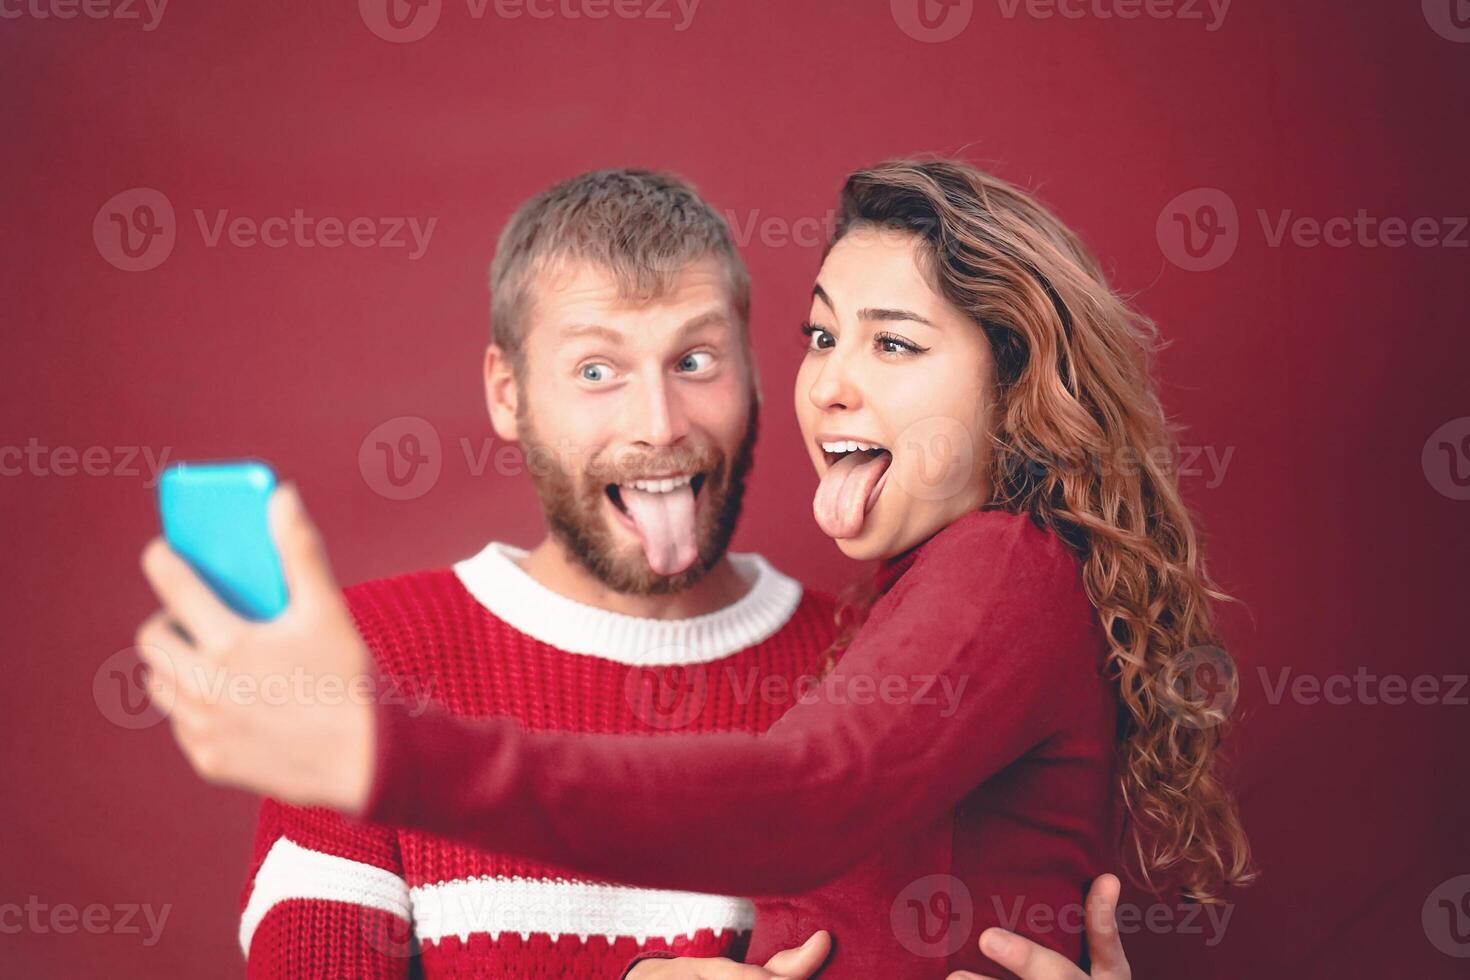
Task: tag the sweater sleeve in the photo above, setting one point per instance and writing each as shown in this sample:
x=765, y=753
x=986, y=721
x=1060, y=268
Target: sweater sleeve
x=964, y=666
x=326, y=898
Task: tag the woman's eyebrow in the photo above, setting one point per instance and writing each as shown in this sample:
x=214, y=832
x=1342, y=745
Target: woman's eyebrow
x=819, y=293
x=886, y=314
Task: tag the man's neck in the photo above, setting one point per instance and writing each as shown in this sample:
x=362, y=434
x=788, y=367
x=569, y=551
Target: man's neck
x=549, y=564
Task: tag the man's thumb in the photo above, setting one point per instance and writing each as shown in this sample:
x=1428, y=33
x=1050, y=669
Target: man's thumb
x=303, y=558
x=804, y=960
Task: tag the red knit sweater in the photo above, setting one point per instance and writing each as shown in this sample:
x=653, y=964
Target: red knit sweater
x=903, y=819
x=332, y=898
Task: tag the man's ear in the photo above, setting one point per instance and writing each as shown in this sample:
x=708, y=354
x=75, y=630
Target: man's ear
x=502, y=393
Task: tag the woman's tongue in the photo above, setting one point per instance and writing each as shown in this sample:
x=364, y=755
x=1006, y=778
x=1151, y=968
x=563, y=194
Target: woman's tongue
x=665, y=522
x=846, y=492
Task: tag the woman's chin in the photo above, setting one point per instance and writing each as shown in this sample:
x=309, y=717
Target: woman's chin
x=871, y=544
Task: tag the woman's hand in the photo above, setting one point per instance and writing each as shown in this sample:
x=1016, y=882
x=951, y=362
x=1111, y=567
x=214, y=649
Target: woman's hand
x=1032, y=962
x=283, y=708
x=790, y=964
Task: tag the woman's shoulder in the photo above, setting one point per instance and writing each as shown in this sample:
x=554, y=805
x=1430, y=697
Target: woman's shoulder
x=997, y=536
x=992, y=552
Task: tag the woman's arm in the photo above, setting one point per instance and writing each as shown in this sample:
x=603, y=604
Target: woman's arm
x=962, y=668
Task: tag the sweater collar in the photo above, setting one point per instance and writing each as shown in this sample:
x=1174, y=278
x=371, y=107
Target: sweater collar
x=498, y=583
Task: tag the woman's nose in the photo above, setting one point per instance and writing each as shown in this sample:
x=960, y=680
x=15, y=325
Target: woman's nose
x=834, y=388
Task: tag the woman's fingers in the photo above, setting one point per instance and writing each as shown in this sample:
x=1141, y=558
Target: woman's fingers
x=1026, y=959
x=186, y=596
x=1103, y=942
x=801, y=962
x=1032, y=962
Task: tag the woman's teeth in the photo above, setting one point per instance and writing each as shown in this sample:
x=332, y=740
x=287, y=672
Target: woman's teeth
x=660, y=486
x=848, y=446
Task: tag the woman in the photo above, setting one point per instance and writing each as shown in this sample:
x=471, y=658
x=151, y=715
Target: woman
x=978, y=405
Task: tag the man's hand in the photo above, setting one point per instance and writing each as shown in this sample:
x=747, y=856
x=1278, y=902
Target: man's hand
x=282, y=708
x=790, y=964
x=1032, y=962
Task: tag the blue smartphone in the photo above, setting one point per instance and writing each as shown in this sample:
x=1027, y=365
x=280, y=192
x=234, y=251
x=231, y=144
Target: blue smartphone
x=214, y=516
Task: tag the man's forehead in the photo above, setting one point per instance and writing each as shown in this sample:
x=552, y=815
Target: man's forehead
x=583, y=298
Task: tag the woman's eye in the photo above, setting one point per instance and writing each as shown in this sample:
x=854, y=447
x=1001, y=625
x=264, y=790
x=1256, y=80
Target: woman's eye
x=596, y=372
x=892, y=344
x=819, y=339
x=696, y=361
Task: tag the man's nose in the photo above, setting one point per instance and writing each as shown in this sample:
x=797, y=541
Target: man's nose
x=659, y=417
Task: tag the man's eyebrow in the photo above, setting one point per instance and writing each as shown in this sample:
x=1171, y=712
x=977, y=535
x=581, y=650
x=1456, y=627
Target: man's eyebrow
x=592, y=330
x=711, y=318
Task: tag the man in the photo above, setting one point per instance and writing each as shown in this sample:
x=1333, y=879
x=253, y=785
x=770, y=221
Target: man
x=620, y=361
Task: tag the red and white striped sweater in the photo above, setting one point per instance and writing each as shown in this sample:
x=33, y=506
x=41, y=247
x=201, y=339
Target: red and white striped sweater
x=330, y=897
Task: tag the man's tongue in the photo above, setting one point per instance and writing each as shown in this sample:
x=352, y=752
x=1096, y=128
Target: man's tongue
x=846, y=493
x=665, y=522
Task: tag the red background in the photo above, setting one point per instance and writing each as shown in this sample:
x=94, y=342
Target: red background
x=1324, y=369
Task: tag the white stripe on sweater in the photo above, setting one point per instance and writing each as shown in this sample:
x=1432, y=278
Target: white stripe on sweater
x=292, y=871
x=493, y=905
x=557, y=907
x=499, y=584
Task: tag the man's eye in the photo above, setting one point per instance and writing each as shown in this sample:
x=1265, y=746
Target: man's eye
x=696, y=361
x=596, y=372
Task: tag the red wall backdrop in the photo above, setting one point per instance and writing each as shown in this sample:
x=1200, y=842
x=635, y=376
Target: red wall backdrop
x=1322, y=381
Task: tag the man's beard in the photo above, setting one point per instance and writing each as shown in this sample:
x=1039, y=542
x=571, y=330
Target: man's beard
x=573, y=504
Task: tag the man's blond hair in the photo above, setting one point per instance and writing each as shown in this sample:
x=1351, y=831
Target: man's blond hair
x=641, y=226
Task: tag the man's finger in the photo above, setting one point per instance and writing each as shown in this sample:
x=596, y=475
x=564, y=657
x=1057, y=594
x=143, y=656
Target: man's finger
x=1103, y=942
x=186, y=596
x=1024, y=958
x=303, y=557
x=804, y=960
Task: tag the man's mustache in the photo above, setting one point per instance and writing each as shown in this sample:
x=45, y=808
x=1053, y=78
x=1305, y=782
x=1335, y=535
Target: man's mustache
x=623, y=466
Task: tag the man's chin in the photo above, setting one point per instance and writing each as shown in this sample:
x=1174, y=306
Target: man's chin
x=629, y=572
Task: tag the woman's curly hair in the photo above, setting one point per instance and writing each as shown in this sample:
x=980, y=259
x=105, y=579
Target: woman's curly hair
x=1082, y=445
